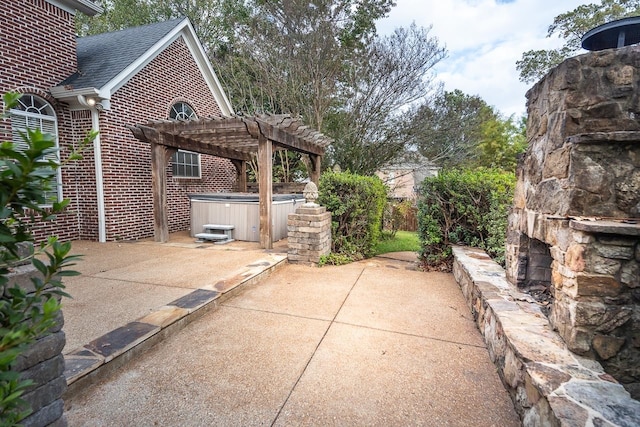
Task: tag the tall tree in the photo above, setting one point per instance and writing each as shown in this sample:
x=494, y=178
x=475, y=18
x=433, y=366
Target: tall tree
x=213, y=20
x=501, y=140
x=571, y=26
x=394, y=72
x=290, y=57
x=447, y=129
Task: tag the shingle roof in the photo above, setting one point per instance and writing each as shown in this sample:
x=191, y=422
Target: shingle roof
x=102, y=57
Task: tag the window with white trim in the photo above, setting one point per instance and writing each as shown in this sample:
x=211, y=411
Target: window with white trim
x=185, y=164
x=33, y=112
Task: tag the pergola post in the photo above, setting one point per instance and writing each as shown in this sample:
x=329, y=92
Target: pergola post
x=265, y=172
x=316, y=166
x=241, y=175
x=159, y=161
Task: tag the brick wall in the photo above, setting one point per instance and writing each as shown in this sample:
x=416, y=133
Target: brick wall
x=171, y=77
x=38, y=53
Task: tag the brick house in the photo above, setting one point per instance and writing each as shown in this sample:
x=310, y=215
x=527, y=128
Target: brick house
x=107, y=82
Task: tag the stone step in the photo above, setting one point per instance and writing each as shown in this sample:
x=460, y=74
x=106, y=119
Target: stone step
x=218, y=227
x=211, y=236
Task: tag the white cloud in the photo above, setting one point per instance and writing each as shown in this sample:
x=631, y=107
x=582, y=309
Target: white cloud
x=484, y=39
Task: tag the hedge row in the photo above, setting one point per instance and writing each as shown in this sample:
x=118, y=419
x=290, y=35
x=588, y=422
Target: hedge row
x=467, y=207
x=357, y=204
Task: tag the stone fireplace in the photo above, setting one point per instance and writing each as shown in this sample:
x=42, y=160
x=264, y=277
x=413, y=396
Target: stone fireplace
x=575, y=226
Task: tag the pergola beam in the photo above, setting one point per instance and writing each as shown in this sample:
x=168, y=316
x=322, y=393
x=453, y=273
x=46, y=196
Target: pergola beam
x=235, y=138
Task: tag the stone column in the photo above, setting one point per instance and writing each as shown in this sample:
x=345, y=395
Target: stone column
x=43, y=363
x=309, y=230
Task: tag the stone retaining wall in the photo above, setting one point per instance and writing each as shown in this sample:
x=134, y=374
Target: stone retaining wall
x=549, y=385
x=42, y=363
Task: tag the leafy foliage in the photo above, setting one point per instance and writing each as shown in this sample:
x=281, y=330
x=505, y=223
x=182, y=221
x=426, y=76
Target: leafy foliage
x=467, y=207
x=571, y=26
x=393, y=72
x=25, y=176
x=356, y=204
x=454, y=129
x=447, y=129
x=501, y=141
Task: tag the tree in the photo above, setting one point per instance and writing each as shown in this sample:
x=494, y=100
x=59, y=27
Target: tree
x=394, y=72
x=213, y=20
x=500, y=143
x=571, y=26
x=448, y=128
x=290, y=56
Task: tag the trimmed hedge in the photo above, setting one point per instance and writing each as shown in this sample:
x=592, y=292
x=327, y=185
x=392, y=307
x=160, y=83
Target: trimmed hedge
x=357, y=204
x=467, y=207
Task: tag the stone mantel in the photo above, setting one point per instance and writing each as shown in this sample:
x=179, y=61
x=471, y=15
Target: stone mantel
x=605, y=137
x=607, y=227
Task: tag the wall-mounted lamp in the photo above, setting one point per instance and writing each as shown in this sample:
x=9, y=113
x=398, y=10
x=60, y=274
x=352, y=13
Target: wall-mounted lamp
x=91, y=102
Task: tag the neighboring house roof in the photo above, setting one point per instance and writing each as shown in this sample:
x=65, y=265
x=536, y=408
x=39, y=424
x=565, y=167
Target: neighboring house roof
x=106, y=62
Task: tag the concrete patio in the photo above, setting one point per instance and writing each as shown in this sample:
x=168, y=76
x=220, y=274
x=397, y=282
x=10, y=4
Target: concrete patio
x=370, y=343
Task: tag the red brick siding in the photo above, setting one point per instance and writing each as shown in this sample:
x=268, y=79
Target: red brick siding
x=172, y=76
x=37, y=47
x=38, y=50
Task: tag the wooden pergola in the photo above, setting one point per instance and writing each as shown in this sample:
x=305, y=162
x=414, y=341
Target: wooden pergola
x=235, y=138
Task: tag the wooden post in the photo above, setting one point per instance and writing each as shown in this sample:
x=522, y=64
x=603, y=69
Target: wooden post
x=316, y=165
x=241, y=175
x=265, y=167
x=159, y=162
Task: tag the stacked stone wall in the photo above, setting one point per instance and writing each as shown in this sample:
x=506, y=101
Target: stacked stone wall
x=309, y=235
x=42, y=363
x=578, y=192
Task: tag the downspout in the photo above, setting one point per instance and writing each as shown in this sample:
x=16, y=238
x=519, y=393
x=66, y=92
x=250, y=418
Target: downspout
x=97, y=158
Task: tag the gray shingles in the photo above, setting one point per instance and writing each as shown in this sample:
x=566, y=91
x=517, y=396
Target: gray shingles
x=103, y=56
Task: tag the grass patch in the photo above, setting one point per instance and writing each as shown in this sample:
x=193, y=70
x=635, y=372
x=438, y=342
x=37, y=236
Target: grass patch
x=403, y=241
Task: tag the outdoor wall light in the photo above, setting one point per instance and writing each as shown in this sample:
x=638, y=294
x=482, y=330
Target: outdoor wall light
x=90, y=102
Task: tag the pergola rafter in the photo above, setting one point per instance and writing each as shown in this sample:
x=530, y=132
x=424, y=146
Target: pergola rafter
x=237, y=138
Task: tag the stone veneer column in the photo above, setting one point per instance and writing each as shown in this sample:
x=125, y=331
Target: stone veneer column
x=43, y=363
x=309, y=230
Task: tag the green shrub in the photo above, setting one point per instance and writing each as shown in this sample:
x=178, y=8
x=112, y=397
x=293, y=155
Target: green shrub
x=25, y=177
x=356, y=203
x=467, y=207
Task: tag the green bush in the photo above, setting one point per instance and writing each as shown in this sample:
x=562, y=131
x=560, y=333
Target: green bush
x=25, y=176
x=356, y=203
x=467, y=207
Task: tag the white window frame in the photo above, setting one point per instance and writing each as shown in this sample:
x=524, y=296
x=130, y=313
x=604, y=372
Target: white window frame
x=178, y=160
x=22, y=118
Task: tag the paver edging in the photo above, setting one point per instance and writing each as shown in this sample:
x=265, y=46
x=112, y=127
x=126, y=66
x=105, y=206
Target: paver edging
x=548, y=384
x=86, y=365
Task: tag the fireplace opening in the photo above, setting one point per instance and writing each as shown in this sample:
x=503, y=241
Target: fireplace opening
x=538, y=277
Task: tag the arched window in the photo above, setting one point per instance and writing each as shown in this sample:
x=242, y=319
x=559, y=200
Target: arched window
x=33, y=112
x=185, y=164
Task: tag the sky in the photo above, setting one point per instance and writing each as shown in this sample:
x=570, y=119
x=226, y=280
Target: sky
x=484, y=39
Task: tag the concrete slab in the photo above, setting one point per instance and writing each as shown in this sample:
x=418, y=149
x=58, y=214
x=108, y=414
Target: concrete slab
x=302, y=347
x=315, y=293
x=362, y=376
x=180, y=267
x=410, y=302
x=233, y=367
x=100, y=305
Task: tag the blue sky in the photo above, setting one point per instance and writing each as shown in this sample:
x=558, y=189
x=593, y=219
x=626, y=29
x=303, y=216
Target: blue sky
x=484, y=39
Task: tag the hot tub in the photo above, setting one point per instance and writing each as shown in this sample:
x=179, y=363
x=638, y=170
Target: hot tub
x=242, y=210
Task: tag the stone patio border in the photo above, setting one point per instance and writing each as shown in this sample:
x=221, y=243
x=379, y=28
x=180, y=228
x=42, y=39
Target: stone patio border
x=104, y=355
x=549, y=385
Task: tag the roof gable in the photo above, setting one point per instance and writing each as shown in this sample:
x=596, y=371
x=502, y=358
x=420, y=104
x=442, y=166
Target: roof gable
x=106, y=62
